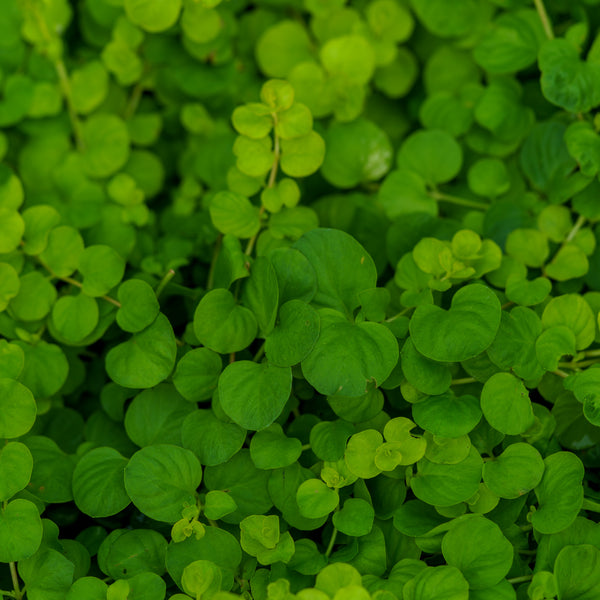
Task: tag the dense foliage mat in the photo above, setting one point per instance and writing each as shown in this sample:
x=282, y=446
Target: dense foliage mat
x=299, y=299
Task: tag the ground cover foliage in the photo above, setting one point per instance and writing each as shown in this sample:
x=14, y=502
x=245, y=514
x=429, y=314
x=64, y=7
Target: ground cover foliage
x=299, y=299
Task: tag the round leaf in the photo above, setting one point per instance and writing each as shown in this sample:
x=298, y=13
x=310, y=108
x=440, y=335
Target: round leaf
x=20, y=530
x=146, y=359
x=253, y=395
x=506, y=405
x=448, y=415
x=75, y=317
x=106, y=137
x=139, y=305
x=162, y=479
x=102, y=268
x=315, y=499
x=153, y=15
x=16, y=464
x=98, y=485
x=17, y=409
x=460, y=333
x=355, y=518
x=197, y=374
x=221, y=325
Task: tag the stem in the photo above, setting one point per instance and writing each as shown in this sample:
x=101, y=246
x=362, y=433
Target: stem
x=506, y=305
x=458, y=201
x=15, y=580
x=259, y=353
x=463, y=381
x=165, y=280
x=305, y=447
x=578, y=225
x=579, y=365
x=592, y=353
x=590, y=505
x=396, y=316
x=134, y=100
x=331, y=542
x=541, y=9
x=521, y=579
x=560, y=373
x=253, y=239
x=63, y=79
x=80, y=285
x=273, y=173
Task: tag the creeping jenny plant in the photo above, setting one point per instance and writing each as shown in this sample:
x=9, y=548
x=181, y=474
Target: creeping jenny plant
x=299, y=299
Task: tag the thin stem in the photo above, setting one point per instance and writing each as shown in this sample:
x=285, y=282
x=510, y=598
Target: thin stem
x=15, y=580
x=521, y=579
x=259, y=353
x=80, y=285
x=458, y=201
x=252, y=240
x=579, y=365
x=331, y=542
x=541, y=9
x=212, y=523
x=63, y=79
x=398, y=315
x=578, y=225
x=560, y=373
x=592, y=353
x=134, y=100
x=591, y=505
x=165, y=280
x=305, y=447
x=506, y=305
x=463, y=381
x=276, y=152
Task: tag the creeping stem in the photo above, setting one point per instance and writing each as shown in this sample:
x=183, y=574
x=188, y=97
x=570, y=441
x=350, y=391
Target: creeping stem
x=541, y=9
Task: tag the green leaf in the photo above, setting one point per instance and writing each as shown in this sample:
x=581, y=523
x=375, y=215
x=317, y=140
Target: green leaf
x=12, y=227
x=350, y=57
x=12, y=360
x=567, y=81
x=277, y=94
x=436, y=18
x=128, y=553
x=235, y=214
x=343, y=268
x=9, y=284
x=223, y=326
x=429, y=583
x=75, y=317
x=404, y=192
x=356, y=152
x=512, y=43
x=47, y=574
x=295, y=334
x=560, y=493
x=529, y=246
x=218, y=504
x=201, y=577
x=447, y=484
x=570, y=262
x=16, y=464
x=197, y=374
x=315, y=499
x=102, y=268
x=506, y=405
x=139, y=305
x=355, y=518
x=20, y=530
x=347, y=357
x=335, y=576
x=448, y=415
x=460, y=333
x=572, y=311
x=153, y=15
x=146, y=359
x=98, y=485
x=89, y=86
x=246, y=484
x=250, y=120
x=281, y=47
x=261, y=294
x=213, y=441
x=328, y=439
x=302, y=156
x=254, y=395
x=87, y=588
x=488, y=177
x=478, y=548
x=271, y=449
x=361, y=451
x=426, y=375
x=162, y=479
x=17, y=409
x=156, y=416
x=515, y=472
x=433, y=154
x=34, y=299
x=552, y=344
x=46, y=368
x=577, y=572
x=106, y=140
x=294, y=122
x=527, y=293
x=583, y=144
x=254, y=157
x=63, y=251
